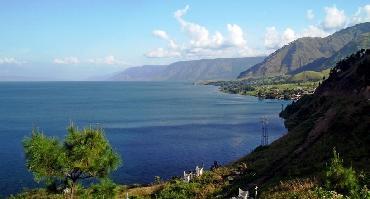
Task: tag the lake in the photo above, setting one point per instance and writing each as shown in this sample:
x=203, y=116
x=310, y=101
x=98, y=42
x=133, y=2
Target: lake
x=158, y=128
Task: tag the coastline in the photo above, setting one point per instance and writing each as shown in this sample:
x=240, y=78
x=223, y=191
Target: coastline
x=279, y=91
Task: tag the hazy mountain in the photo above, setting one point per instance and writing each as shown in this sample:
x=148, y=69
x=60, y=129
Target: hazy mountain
x=141, y=73
x=312, y=53
x=204, y=69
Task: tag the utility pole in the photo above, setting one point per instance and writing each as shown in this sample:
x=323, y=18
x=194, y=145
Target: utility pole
x=265, y=135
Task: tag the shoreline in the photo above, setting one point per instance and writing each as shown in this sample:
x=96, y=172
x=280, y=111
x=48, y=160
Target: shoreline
x=278, y=91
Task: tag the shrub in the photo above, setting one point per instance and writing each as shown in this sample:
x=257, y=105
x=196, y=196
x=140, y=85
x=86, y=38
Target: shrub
x=322, y=193
x=179, y=190
x=105, y=189
x=341, y=179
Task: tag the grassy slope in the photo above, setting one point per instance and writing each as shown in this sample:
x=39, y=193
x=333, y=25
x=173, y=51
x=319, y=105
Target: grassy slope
x=310, y=76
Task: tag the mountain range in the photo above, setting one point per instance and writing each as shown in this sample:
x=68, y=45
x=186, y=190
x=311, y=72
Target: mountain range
x=204, y=69
x=312, y=53
x=303, y=54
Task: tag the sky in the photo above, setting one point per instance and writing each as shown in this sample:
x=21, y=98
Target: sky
x=87, y=39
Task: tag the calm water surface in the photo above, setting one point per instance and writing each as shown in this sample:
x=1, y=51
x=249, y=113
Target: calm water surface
x=159, y=129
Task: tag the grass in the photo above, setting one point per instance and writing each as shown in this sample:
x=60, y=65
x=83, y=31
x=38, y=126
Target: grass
x=143, y=192
x=310, y=76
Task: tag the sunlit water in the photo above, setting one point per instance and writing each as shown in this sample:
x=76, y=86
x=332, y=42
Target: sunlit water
x=159, y=129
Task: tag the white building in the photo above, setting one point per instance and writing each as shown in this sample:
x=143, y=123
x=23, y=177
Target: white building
x=193, y=174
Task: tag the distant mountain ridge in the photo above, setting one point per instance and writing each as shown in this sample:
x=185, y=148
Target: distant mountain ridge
x=195, y=70
x=313, y=54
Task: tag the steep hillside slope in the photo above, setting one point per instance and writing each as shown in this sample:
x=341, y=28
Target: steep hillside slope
x=312, y=53
x=336, y=115
x=361, y=42
x=205, y=69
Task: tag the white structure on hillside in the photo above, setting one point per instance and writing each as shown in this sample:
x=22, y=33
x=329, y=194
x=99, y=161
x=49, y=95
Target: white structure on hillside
x=198, y=171
x=192, y=174
x=66, y=191
x=187, y=176
x=242, y=194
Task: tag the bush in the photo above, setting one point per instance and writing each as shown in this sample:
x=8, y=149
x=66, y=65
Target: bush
x=337, y=177
x=179, y=190
x=105, y=189
x=322, y=193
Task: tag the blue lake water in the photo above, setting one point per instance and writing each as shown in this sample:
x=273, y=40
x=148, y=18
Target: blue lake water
x=159, y=129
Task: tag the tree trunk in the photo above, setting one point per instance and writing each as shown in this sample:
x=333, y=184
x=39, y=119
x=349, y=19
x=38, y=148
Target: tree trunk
x=73, y=187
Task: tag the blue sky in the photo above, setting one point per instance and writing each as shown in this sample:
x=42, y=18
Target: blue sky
x=78, y=39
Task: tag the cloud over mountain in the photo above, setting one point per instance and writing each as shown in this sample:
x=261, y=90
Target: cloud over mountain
x=201, y=42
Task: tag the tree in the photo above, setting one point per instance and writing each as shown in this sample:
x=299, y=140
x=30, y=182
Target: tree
x=339, y=178
x=84, y=154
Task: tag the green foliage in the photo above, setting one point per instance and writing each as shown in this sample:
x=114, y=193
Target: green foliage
x=310, y=76
x=89, y=153
x=84, y=154
x=179, y=190
x=45, y=157
x=364, y=193
x=105, y=189
x=38, y=193
x=208, y=177
x=322, y=193
x=138, y=197
x=341, y=179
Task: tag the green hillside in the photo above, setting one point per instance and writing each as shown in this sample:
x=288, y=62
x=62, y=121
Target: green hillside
x=309, y=76
x=312, y=54
x=337, y=115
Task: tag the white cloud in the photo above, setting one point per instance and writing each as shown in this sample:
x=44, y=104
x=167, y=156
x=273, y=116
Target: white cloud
x=288, y=36
x=201, y=42
x=181, y=12
x=162, y=53
x=172, y=44
x=236, y=35
x=161, y=34
x=199, y=35
x=362, y=15
x=204, y=43
x=10, y=60
x=334, y=18
x=272, y=38
x=109, y=60
x=218, y=39
x=310, y=15
x=314, y=31
x=66, y=60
